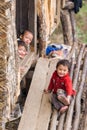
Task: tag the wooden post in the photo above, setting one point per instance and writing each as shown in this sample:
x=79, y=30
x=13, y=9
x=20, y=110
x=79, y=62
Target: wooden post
x=67, y=28
x=42, y=28
x=68, y=23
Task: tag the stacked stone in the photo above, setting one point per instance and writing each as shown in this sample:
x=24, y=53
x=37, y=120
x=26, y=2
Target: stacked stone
x=9, y=90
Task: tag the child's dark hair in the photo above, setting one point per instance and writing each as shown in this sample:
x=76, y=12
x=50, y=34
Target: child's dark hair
x=63, y=62
x=26, y=31
x=21, y=43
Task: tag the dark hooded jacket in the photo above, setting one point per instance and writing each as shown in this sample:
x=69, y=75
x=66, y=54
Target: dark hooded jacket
x=77, y=5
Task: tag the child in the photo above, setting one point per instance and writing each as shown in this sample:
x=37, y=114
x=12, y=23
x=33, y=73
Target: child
x=61, y=86
x=27, y=37
x=21, y=49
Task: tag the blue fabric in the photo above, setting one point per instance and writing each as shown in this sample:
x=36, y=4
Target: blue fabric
x=51, y=48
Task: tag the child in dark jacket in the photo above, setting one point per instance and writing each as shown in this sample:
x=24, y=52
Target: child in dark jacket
x=61, y=86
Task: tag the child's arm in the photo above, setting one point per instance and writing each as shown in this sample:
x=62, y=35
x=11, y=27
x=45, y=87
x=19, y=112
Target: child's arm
x=59, y=52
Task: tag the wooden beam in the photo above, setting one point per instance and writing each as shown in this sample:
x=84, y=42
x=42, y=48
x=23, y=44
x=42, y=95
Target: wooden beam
x=45, y=110
x=32, y=104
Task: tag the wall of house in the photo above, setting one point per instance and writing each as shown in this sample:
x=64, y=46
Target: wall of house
x=48, y=12
x=9, y=87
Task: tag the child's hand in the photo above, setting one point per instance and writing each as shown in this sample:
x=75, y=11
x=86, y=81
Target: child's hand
x=46, y=91
x=68, y=99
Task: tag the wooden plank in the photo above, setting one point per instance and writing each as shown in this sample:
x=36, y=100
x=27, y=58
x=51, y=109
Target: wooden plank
x=32, y=104
x=63, y=3
x=45, y=111
x=58, y=10
x=54, y=120
x=26, y=63
x=85, y=126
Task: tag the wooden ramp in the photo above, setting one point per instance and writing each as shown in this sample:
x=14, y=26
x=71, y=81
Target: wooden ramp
x=37, y=110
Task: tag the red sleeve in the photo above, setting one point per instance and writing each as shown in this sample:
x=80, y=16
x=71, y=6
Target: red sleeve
x=68, y=86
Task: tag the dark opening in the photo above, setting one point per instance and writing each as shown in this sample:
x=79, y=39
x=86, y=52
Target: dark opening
x=21, y=16
x=26, y=17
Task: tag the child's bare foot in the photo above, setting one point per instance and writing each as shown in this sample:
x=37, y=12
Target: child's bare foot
x=63, y=109
x=63, y=99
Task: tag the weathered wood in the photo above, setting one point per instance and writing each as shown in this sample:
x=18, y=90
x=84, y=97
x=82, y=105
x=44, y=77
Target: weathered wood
x=32, y=105
x=78, y=97
x=85, y=127
x=67, y=125
x=73, y=24
x=62, y=117
x=72, y=51
x=26, y=63
x=63, y=3
x=61, y=122
x=72, y=66
x=49, y=18
x=44, y=114
x=85, y=122
x=67, y=28
x=9, y=87
x=53, y=124
x=68, y=5
x=45, y=110
x=58, y=10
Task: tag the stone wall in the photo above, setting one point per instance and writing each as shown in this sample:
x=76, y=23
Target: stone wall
x=9, y=84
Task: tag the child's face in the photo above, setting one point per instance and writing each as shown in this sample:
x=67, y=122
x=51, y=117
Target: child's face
x=22, y=48
x=27, y=38
x=62, y=70
x=21, y=51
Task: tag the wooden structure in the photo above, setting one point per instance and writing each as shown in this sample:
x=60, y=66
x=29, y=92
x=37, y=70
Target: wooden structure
x=31, y=10
x=38, y=113
x=42, y=17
